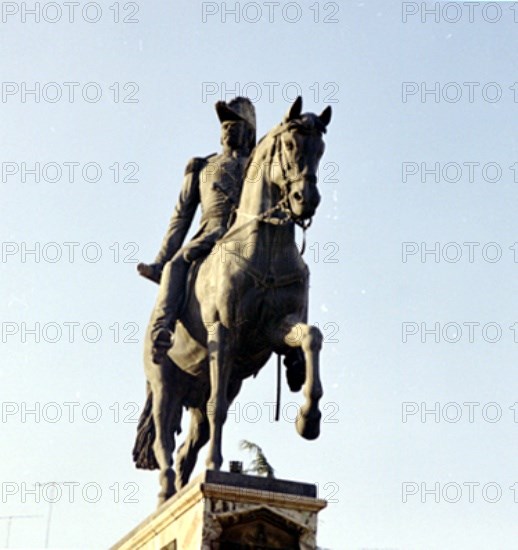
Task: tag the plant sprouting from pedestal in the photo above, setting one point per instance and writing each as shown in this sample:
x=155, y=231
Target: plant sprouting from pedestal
x=260, y=464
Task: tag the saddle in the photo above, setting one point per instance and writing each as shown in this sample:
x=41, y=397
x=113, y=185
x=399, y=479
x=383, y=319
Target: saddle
x=189, y=283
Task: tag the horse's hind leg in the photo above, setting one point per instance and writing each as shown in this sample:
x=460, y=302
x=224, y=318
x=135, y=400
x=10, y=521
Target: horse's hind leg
x=198, y=435
x=167, y=415
x=217, y=406
x=199, y=432
x=309, y=338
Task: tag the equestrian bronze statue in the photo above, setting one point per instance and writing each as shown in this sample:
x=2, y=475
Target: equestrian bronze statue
x=244, y=301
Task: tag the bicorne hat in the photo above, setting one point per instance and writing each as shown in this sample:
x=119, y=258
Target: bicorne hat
x=239, y=108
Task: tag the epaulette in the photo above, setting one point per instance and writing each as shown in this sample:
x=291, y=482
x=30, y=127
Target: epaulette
x=196, y=164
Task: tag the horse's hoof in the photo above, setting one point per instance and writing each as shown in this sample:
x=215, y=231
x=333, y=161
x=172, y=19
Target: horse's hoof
x=164, y=496
x=308, y=425
x=167, y=482
x=214, y=465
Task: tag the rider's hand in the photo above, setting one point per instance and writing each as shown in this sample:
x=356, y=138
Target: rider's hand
x=152, y=272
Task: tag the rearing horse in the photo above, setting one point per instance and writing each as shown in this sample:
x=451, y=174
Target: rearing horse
x=249, y=299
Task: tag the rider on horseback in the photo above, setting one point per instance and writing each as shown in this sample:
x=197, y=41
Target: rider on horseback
x=215, y=183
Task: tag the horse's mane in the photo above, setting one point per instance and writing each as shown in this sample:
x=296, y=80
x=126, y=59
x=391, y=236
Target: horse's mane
x=272, y=132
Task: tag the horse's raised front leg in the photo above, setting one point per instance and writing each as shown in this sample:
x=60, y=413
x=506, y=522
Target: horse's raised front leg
x=309, y=338
x=217, y=405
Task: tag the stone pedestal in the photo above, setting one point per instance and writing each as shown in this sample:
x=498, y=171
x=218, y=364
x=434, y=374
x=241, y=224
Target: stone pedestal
x=229, y=511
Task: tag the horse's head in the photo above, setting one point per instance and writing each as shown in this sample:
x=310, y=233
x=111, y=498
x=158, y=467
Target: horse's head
x=299, y=149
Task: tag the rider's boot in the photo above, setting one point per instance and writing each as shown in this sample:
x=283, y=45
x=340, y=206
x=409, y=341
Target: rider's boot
x=162, y=342
x=166, y=312
x=162, y=331
x=295, y=364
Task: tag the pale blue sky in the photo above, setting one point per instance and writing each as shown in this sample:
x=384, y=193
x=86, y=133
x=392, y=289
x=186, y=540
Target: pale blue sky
x=362, y=59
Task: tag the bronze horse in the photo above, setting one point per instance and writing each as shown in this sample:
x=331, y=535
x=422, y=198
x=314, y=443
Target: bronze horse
x=248, y=300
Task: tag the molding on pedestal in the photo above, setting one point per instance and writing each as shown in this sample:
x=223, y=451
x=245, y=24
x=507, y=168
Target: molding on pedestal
x=197, y=516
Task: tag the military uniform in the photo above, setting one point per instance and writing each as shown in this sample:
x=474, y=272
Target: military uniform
x=214, y=183
x=216, y=188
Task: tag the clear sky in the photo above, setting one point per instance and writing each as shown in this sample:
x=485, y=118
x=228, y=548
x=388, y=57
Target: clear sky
x=407, y=92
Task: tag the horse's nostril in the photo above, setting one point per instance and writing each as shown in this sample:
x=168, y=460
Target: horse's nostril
x=297, y=196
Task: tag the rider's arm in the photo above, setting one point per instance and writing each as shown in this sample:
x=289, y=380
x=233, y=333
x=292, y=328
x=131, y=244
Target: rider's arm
x=183, y=213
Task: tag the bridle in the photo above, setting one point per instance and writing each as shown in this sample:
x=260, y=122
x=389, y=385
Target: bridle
x=283, y=203
x=281, y=213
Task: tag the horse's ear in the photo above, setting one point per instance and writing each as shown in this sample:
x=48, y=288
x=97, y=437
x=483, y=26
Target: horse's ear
x=325, y=115
x=294, y=111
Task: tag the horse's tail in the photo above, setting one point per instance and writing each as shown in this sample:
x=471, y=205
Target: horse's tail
x=143, y=454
